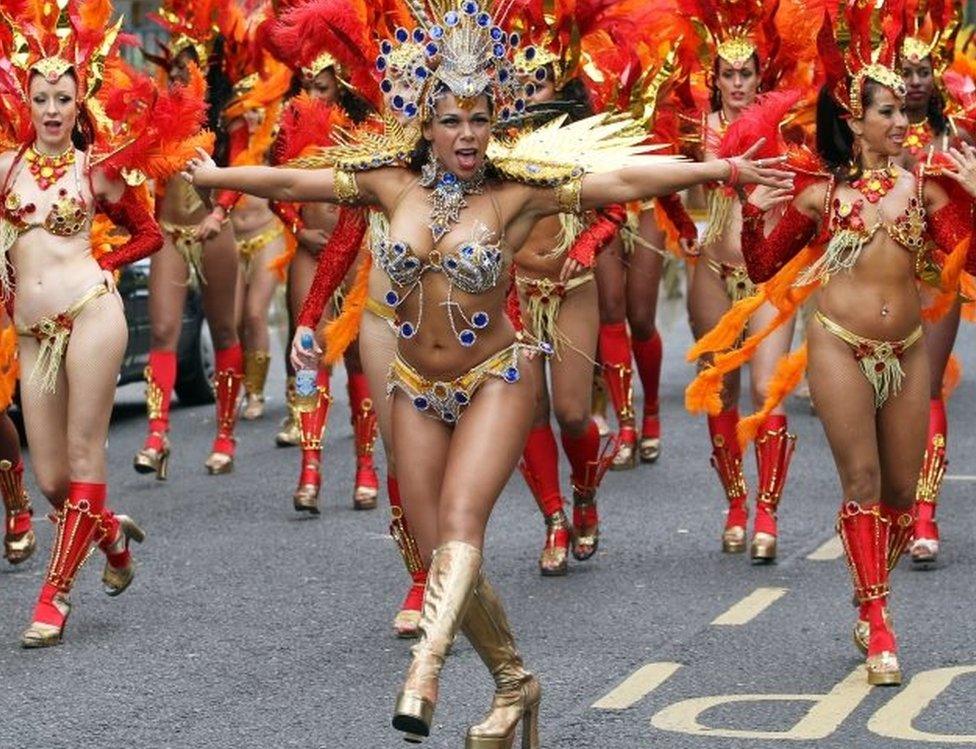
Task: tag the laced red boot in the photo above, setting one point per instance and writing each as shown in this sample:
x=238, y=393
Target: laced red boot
x=19, y=540
x=589, y=464
x=540, y=467
x=865, y=533
x=648, y=354
x=925, y=548
x=227, y=386
x=364, y=431
x=774, y=449
x=617, y=374
x=313, y=413
x=407, y=621
x=727, y=462
x=160, y=378
x=78, y=525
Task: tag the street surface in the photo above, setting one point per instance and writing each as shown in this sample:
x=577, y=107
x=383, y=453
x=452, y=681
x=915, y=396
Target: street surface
x=251, y=626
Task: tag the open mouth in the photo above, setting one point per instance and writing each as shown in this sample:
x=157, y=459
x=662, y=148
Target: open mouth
x=52, y=125
x=467, y=158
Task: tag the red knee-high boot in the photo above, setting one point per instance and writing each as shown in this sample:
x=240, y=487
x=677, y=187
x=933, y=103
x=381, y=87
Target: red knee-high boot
x=925, y=548
x=774, y=449
x=19, y=540
x=727, y=462
x=617, y=373
x=588, y=467
x=160, y=379
x=81, y=521
x=364, y=431
x=408, y=617
x=540, y=467
x=865, y=533
x=312, y=411
x=228, y=381
x=648, y=354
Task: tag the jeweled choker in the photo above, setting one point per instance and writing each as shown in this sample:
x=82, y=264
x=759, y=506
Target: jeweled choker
x=47, y=170
x=447, y=196
x=874, y=184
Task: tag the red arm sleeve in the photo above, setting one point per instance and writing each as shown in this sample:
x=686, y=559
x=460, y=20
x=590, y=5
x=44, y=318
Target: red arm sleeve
x=145, y=238
x=678, y=215
x=290, y=215
x=334, y=262
x=952, y=223
x=227, y=199
x=595, y=237
x=764, y=255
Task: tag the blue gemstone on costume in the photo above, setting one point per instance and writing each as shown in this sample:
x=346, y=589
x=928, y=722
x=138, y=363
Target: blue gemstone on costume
x=514, y=39
x=407, y=330
x=467, y=250
x=540, y=74
x=436, y=32
x=381, y=63
x=529, y=89
x=410, y=110
x=461, y=397
x=421, y=403
x=502, y=75
x=546, y=348
x=419, y=35
x=410, y=263
x=506, y=113
x=451, y=18
x=386, y=47
x=511, y=375
x=483, y=20
x=519, y=105
x=398, y=102
x=496, y=34
x=399, y=248
x=529, y=53
x=499, y=50
x=448, y=416
x=470, y=8
x=480, y=320
x=449, y=178
x=392, y=298
x=467, y=337
x=421, y=72
x=451, y=263
x=401, y=35
x=386, y=85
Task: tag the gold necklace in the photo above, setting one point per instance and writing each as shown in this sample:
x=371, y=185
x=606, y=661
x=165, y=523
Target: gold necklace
x=47, y=169
x=874, y=184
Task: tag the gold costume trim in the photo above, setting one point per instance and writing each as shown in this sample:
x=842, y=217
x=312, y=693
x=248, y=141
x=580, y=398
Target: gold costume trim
x=719, y=207
x=933, y=471
x=880, y=360
x=53, y=334
x=251, y=246
x=380, y=310
x=448, y=399
x=344, y=186
x=185, y=241
x=568, y=195
x=543, y=299
x=738, y=285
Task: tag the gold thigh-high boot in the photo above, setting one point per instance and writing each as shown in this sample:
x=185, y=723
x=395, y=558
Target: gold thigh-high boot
x=517, y=692
x=453, y=574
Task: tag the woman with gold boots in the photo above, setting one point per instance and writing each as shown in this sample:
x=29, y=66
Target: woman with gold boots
x=198, y=249
x=924, y=57
x=870, y=225
x=460, y=371
x=334, y=69
x=19, y=541
x=68, y=315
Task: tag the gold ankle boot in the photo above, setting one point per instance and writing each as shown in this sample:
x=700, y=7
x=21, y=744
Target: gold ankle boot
x=517, y=692
x=453, y=574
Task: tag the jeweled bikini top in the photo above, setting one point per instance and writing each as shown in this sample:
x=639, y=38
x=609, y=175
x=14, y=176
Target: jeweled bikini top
x=67, y=216
x=473, y=266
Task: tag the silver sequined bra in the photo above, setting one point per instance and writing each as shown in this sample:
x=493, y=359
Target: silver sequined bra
x=474, y=268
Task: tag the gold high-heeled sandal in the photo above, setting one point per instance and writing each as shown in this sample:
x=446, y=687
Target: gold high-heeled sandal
x=517, y=692
x=219, y=463
x=116, y=579
x=763, y=547
x=150, y=460
x=41, y=635
x=649, y=449
x=18, y=544
x=453, y=574
x=253, y=407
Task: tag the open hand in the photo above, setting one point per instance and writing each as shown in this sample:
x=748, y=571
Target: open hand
x=766, y=198
x=210, y=226
x=199, y=168
x=964, y=171
x=749, y=171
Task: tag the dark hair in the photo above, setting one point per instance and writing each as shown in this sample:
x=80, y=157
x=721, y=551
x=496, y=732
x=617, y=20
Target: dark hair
x=936, y=113
x=715, y=97
x=835, y=139
x=574, y=93
x=220, y=91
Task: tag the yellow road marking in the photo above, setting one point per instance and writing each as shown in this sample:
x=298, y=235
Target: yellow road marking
x=750, y=607
x=831, y=549
x=894, y=719
x=637, y=686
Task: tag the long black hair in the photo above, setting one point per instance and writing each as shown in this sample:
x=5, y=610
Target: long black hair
x=835, y=139
x=715, y=97
x=935, y=113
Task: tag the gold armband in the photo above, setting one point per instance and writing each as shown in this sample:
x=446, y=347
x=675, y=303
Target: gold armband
x=568, y=195
x=344, y=186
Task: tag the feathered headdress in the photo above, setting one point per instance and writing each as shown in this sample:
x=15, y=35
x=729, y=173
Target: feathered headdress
x=931, y=33
x=734, y=30
x=465, y=49
x=862, y=46
x=323, y=34
x=192, y=25
x=50, y=38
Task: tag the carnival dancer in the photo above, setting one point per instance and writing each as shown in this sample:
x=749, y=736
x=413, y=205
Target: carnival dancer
x=870, y=222
x=326, y=44
x=460, y=372
x=19, y=541
x=198, y=250
x=740, y=39
x=66, y=167
x=924, y=57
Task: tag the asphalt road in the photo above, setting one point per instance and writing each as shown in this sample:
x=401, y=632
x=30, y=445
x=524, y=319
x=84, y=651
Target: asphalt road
x=248, y=626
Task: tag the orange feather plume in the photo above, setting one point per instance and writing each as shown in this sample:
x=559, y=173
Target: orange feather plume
x=341, y=332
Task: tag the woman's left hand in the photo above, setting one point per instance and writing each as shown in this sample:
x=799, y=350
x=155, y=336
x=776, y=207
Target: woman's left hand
x=571, y=268
x=749, y=171
x=109, y=277
x=198, y=168
x=964, y=161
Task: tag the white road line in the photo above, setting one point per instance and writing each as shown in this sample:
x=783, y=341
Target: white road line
x=960, y=477
x=750, y=607
x=831, y=549
x=636, y=686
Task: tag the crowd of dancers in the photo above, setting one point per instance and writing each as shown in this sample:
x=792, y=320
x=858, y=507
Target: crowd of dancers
x=471, y=204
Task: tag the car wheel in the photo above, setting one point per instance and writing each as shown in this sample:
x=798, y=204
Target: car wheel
x=195, y=368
